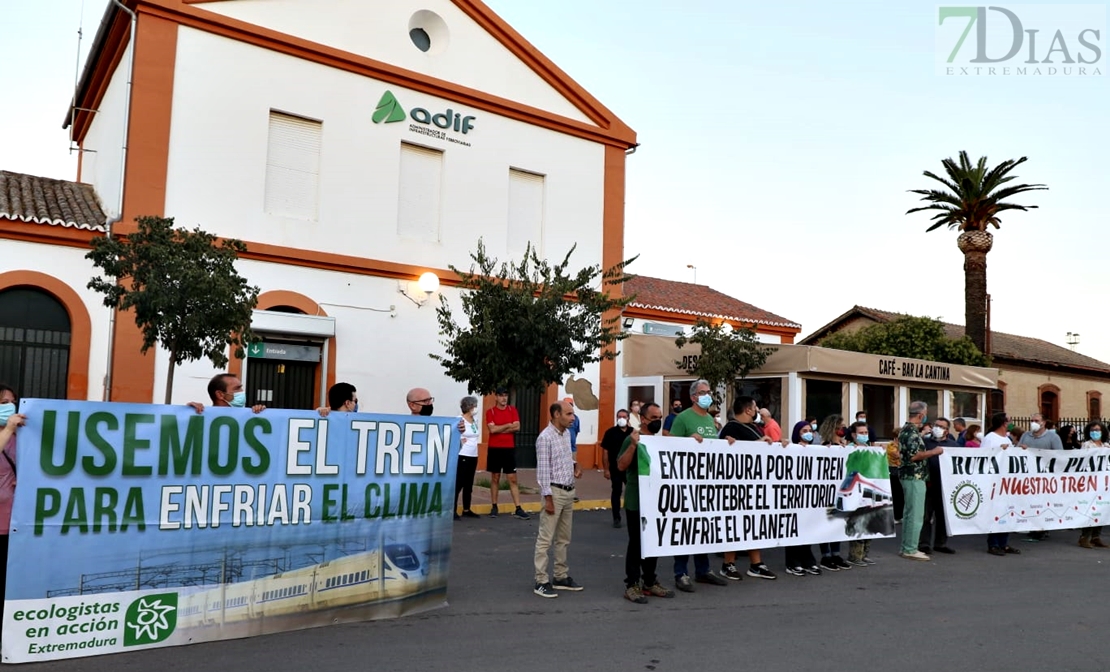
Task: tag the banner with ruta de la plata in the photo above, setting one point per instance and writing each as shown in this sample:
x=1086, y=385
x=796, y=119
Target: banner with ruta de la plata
x=1019, y=490
x=139, y=526
x=710, y=496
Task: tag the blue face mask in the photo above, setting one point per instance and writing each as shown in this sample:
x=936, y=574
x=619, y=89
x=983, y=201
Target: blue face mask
x=239, y=400
x=356, y=408
x=807, y=437
x=862, y=438
x=6, y=411
x=705, y=401
x=1096, y=435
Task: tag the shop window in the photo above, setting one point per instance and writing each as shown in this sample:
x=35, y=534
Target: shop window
x=878, y=402
x=34, y=343
x=420, y=187
x=767, y=392
x=293, y=166
x=930, y=397
x=526, y=199
x=823, y=398
x=965, y=405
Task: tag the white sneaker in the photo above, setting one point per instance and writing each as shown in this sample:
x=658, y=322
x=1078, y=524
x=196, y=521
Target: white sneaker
x=916, y=555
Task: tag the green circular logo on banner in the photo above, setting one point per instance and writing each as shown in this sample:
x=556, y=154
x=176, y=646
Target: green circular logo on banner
x=966, y=500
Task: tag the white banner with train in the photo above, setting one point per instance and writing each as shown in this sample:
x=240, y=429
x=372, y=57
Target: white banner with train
x=710, y=496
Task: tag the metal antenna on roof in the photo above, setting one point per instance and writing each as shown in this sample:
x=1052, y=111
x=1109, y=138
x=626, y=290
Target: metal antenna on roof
x=76, y=73
x=1073, y=340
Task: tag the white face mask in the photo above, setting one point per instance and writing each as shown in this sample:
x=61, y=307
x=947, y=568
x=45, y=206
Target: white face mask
x=1034, y=427
x=861, y=419
x=978, y=436
x=622, y=422
x=938, y=433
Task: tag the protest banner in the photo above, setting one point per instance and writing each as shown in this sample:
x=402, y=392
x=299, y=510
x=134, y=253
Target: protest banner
x=1018, y=490
x=138, y=526
x=710, y=496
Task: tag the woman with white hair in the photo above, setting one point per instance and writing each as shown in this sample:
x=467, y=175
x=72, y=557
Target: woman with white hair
x=469, y=436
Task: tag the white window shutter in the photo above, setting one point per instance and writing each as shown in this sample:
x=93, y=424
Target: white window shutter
x=419, y=193
x=526, y=193
x=293, y=166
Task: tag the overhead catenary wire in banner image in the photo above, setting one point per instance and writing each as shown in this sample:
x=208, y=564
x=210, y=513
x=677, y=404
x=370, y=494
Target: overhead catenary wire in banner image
x=709, y=497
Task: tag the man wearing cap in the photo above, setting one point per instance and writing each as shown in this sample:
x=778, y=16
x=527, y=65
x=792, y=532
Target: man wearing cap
x=503, y=423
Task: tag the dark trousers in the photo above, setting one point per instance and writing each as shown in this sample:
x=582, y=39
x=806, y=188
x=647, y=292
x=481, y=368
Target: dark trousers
x=464, y=479
x=635, y=566
x=998, y=540
x=800, y=556
x=934, y=516
x=832, y=548
x=682, y=565
x=3, y=570
x=1088, y=532
x=898, y=498
x=616, y=481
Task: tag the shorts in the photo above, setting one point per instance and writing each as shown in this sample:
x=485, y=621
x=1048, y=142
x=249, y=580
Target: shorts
x=501, y=460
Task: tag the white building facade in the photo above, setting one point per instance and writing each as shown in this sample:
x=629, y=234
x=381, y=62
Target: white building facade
x=354, y=146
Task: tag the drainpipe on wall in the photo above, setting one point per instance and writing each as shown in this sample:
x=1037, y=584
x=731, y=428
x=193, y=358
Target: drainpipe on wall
x=122, y=181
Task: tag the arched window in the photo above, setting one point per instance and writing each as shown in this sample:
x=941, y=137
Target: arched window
x=1094, y=405
x=34, y=343
x=1050, y=401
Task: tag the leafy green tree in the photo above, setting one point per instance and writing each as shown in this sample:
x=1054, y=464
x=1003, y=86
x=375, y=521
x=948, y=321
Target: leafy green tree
x=726, y=354
x=529, y=323
x=972, y=198
x=182, y=285
x=912, y=337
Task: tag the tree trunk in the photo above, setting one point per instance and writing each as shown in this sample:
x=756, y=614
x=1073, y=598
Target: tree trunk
x=169, y=377
x=975, y=298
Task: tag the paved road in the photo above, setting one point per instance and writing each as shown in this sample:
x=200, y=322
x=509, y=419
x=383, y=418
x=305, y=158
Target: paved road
x=1044, y=610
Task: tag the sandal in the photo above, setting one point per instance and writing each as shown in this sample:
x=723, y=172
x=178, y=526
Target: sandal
x=1012, y=550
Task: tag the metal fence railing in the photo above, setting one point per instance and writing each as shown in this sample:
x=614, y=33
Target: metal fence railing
x=1080, y=424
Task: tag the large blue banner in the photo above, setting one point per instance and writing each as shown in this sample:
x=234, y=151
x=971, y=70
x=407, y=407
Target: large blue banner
x=139, y=526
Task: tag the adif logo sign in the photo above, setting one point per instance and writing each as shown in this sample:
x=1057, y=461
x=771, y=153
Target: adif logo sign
x=389, y=110
x=1021, y=40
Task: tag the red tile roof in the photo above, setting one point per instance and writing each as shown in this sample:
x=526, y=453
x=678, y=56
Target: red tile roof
x=1003, y=346
x=47, y=201
x=689, y=299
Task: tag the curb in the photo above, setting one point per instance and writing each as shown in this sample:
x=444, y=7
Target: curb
x=535, y=507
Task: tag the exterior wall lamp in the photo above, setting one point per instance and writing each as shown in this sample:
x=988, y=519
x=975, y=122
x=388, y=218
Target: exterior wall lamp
x=428, y=284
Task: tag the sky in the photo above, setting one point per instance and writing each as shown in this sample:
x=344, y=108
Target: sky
x=777, y=148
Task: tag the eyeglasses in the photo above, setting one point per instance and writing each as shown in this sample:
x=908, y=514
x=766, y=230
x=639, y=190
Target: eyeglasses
x=423, y=402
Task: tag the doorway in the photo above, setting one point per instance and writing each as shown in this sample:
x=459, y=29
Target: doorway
x=533, y=420
x=277, y=383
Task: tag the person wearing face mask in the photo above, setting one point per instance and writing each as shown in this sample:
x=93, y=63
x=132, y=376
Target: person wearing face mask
x=998, y=543
x=743, y=427
x=914, y=474
x=799, y=559
x=640, y=579
x=973, y=436
x=832, y=433
x=676, y=408
x=859, y=551
x=934, y=494
x=1091, y=537
x=503, y=422
x=611, y=442
x=1039, y=436
x=469, y=436
x=342, y=398
x=10, y=422
x=634, y=414
x=226, y=391
x=696, y=422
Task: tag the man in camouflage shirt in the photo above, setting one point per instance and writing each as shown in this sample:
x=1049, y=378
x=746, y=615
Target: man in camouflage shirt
x=914, y=474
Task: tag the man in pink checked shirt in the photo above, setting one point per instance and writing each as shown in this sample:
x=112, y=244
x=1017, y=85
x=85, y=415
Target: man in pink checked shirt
x=556, y=471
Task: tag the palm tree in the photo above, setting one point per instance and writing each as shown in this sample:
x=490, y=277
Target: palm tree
x=971, y=202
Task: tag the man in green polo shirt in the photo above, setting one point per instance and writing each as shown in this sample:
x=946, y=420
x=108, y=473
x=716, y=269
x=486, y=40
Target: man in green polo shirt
x=632, y=455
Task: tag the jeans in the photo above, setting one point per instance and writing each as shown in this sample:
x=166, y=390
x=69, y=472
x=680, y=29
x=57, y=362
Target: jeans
x=616, y=481
x=636, y=566
x=914, y=509
x=682, y=565
x=464, y=479
x=555, y=528
x=829, y=549
x=998, y=540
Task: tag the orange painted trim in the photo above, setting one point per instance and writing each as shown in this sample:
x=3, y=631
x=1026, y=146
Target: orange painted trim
x=546, y=69
x=80, y=326
x=46, y=234
x=342, y=263
x=144, y=185
x=683, y=318
x=612, y=253
x=281, y=297
x=248, y=33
